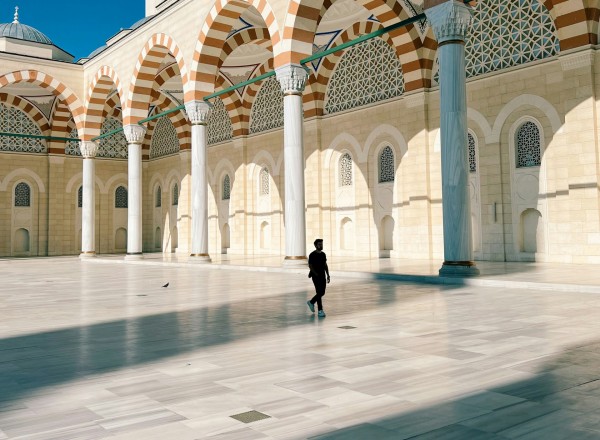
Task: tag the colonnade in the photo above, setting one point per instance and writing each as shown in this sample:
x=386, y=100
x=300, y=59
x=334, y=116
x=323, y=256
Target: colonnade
x=450, y=20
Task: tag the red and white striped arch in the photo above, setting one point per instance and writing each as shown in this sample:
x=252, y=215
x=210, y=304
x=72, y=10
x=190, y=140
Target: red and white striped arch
x=576, y=21
x=235, y=108
x=149, y=61
x=252, y=90
x=105, y=80
x=60, y=117
x=213, y=35
x=258, y=36
x=29, y=109
x=47, y=82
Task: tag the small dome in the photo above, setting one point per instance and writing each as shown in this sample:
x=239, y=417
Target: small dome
x=97, y=51
x=22, y=31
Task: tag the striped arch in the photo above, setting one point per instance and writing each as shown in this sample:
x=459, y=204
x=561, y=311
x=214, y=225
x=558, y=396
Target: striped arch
x=28, y=108
x=253, y=89
x=142, y=80
x=104, y=81
x=258, y=36
x=234, y=106
x=576, y=21
x=112, y=108
x=59, y=126
x=209, y=47
x=46, y=81
x=178, y=119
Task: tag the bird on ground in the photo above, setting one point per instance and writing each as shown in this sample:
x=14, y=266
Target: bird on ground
x=166, y=285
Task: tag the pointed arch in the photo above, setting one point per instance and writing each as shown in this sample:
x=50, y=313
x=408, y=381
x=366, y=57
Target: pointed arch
x=104, y=81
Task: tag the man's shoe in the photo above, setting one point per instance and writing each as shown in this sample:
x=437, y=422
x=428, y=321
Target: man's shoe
x=311, y=306
x=322, y=314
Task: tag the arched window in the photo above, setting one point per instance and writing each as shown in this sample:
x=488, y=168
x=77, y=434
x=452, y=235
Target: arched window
x=115, y=145
x=226, y=187
x=14, y=120
x=264, y=182
x=345, y=170
x=528, y=146
x=22, y=195
x=164, y=139
x=158, y=198
x=472, y=156
x=267, y=110
x=386, y=165
x=219, y=124
x=80, y=197
x=121, y=197
x=367, y=73
x=175, y=195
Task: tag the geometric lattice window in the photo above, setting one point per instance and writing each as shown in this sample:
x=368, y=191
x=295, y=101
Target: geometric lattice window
x=386, y=165
x=472, y=157
x=528, y=146
x=14, y=120
x=72, y=147
x=115, y=145
x=22, y=195
x=219, y=123
x=226, y=187
x=264, y=182
x=164, y=139
x=158, y=199
x=267, y=110
x=366, y=73
x=345, y=174
x=121, y=197
x=175, y=195
x=80, y=197
x=508, y=33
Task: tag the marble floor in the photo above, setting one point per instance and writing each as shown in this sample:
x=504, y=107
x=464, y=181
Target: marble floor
x=94, y=350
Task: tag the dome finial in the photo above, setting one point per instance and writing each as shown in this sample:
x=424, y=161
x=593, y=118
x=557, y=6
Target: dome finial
x=16, y=20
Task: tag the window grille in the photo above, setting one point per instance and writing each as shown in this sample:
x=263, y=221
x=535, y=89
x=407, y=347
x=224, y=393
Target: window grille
x=366, y=73
x=80, y=197
x=386, y=165
x=175, y=195
x=158, y=201
x=267, y=110
x=121, y=197
x=219, y=123
x=345, y=176
x=14, y=120
x=528, y=146
x=264, y=182
x=22, y=195
x=114, y=146
x=164, y=139
x=226, y=187
x=72, y=147
x=472, y=157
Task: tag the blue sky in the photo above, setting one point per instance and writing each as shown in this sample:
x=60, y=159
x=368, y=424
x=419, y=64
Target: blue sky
x=76, y=26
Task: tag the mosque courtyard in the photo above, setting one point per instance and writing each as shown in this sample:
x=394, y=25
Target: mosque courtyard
x=94, y=350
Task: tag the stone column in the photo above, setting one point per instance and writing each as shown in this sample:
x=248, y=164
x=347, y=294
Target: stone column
x=88, y=208
x=198, y=112
x=450, y=20
x=292, y=79
x=135, y=136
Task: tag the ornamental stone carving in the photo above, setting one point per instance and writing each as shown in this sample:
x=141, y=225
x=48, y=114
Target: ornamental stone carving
x=88, y=149
x=292, y=79
x=134, y=133
x=450, y=20
x=198, y=112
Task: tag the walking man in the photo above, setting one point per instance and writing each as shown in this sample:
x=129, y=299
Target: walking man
x=317, y=263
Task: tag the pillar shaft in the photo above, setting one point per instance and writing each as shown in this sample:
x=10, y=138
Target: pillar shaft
x=198, y=113
x=88, y=208
x=450, y=21
x=135, y=135
x=292, y=79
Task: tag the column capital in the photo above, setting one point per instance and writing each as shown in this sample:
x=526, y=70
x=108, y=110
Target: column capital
x=88, y=149
x=450, y=19
x=198, y=111
x=134, y=133
x=292, y=78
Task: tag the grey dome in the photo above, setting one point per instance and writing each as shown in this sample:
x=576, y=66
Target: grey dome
x=23, y=32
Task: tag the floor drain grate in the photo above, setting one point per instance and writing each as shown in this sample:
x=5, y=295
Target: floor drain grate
x=346, y=327
x=250, y=416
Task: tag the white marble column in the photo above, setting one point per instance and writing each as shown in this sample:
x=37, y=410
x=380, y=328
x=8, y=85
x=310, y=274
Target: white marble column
x=198, y=112
x=292, y=79
x=450, y=21
x=135, y=136
x=88, y=208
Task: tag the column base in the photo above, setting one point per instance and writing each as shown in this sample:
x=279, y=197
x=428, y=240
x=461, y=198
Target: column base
x=459, y=269
x=87, y=254
x=200, y=258
x=295, y=261
x=134, y=256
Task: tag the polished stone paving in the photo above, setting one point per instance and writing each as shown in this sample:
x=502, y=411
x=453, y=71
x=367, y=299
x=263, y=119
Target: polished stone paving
x=92, y=350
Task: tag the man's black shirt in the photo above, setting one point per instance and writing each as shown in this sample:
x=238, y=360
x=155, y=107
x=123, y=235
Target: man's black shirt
x=318, y=262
